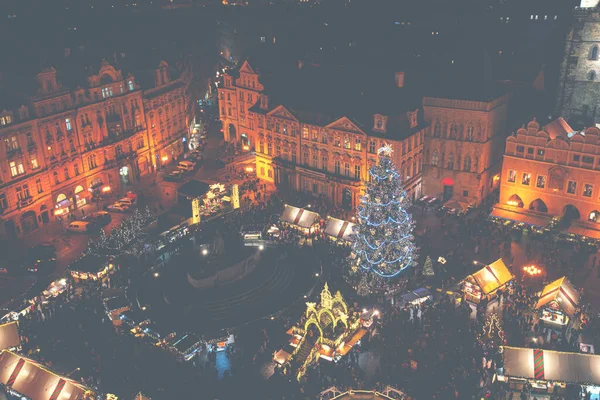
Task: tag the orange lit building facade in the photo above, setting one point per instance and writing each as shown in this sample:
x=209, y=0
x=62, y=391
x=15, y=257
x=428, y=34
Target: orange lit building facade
x=463, y=149
x=312, y=152
x=70, y=145
x=553, y=171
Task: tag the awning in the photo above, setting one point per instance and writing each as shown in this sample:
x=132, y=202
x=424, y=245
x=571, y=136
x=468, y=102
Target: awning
x=339, y=229
x=551, y=365
x=9, y=336
x=527, y=218
x=493, y=276
x=457, y=204
x=36, y=382
x=584, y=231
x=281, y=357
x=299, y=216
x=562, y=293
x=355, y=338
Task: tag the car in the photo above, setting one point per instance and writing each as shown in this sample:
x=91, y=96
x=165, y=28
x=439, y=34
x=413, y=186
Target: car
x=126, y=200
x=118, y=207
x=98, y=219
x=40, y=259
x=78, y=227
x=175, y=176
x=186, y=166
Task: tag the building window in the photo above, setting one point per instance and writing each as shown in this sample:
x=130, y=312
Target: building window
x=315, y=135
x=372, y=145
x=526, y=179
x=294, y=156
x=357, y=171
x=541, y=182
x=107, y=92
x=346, y=142
x=76, y=168
x=594, y=52
x=469, y=136
x=269, y=148
x=587, y=159
x=3, y=201
x=576, y=157
x=435, y=158
x=592, y=75
x=304, y=132
x=38, y=185
x=12, y=143
x=571, y=187
x=16, y=168
x=453, y=131
x=5, y=120
x=68, y=124
x=403, y=148
x=305, y=157
x=336, y=167
x=56, y=180
x=277, y=126
x=437, y=129
x=451, y=161
x=347, y=169
x=465, y=193
x=315, y=160
x=324, y=163
x=530, y=150
x=277, y=151
x=336, y=141
x=467, y=164
x=67, y=177
x=324, y=137
x=520, y=149
x=357, y=144
x=541, y=152
x=587, y=190
x=130, y=85
x=261, y=147
x=512, y=176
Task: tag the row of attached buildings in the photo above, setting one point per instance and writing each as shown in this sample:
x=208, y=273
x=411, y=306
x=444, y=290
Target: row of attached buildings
x=65, y=146
x=443, y=147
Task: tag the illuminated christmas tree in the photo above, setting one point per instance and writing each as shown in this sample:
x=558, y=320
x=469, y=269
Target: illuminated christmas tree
x=428, y=267
x=383, y=238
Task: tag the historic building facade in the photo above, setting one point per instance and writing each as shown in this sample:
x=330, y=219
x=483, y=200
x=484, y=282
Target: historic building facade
x=70, y=145
x=579, y=83
x=463, y=147
x=552, y=171
x=313, y=152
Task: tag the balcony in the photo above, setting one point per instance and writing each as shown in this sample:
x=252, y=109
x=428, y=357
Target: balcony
x=14, y=152
x=25, y=201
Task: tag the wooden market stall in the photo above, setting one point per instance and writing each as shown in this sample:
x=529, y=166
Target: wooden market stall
x=558, y=302
x=300, y=219
x=485, y=283
x=9, y=336
x=339, y=230
x=545, y=369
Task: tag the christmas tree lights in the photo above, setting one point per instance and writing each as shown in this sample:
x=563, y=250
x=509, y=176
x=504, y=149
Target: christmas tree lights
x=383, y=238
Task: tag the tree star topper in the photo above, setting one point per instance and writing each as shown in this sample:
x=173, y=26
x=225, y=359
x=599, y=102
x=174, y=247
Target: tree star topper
x=386, y=150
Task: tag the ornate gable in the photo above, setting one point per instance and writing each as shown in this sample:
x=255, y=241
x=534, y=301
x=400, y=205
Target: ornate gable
x=246, y=68
x=282, y=112
x=345, y=125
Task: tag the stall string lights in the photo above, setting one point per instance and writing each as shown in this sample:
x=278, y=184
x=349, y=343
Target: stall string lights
x=532, y=270
x=383, y=243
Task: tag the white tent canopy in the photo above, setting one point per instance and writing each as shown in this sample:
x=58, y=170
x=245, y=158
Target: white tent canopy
x=339, y=229
x=299, y=217
x=9, y=336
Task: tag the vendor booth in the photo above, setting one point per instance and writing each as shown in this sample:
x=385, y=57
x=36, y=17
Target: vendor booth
x=414, y=297
x=25, y=379
x=485, y=283
x=558, y=303
x=545, y=369
x=303, y=220
x=91, y=267
x=9, y=336
x=339, y=230
x=183, y=346
x=115, y=304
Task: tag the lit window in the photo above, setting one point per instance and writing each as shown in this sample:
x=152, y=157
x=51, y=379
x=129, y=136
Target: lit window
x=357, y=172
x=541, y=182
x=346, y=142
x=68, y=123
x=587, y=190
x=357, y=144
x=571, y=187
x=526, y=179
x=130, y=84
x=34, y=161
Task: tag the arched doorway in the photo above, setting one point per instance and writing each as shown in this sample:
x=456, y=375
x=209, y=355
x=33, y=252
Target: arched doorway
x=538, y=205
x=515, y=201
x=232, y=133
x=347, y=199
x=570, y=213
x=594, y=216
x=28, y=221
x=448, y=184
x=142, y=165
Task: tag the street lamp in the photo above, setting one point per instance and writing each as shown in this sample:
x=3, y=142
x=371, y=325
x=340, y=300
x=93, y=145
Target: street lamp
x=156, y=274
x=532, y=270
x=75, y=370
x=204, y=252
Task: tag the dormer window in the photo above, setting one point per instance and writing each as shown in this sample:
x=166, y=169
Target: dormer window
x=380, y=123
x=130, y=85
x=107, y=92
x=5, y=120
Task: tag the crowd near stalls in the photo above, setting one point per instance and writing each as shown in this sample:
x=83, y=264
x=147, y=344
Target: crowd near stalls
x=208, y=200
x=485, y=283
x=23, y=307
x=92, y=267
x=558, y=303
x=572, y=375
x=303, y=220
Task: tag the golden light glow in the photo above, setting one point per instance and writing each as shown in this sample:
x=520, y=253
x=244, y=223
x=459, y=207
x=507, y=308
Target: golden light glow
x=246, y=148
x=532, y=270
x=512, y=203
x=249, y=169
x=106, y=189
x=164, y=158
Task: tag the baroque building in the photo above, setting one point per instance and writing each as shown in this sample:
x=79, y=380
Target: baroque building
x=65, y=146
x=579, y=82
x=552, y=172
x=463, y=146
x=321, y=153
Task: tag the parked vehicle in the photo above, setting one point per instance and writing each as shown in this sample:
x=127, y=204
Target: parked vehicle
x=127, y=201
x=98, y=219
x=40, y=259
x=186, y=166
x=78, y=227
x=175, y=176
x=118, y=207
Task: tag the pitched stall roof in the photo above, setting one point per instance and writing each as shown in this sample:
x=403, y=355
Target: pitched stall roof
x=493, y=276
x=299, y=216
x=9, y=335
x=339, y=228
x=556, y=365
x=563, y=293
x=36, y=382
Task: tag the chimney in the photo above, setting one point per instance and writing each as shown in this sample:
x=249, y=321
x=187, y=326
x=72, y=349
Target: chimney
x=399, y=77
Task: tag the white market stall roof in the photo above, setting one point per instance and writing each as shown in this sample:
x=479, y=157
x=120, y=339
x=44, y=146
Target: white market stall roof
x=563, y=293
x=493, y=276
x=552, y=365
x=35, y=381
x=339, y=229
x=299, y=216
x=9, y=335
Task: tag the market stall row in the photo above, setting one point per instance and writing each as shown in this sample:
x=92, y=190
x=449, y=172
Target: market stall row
x=309, y=222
